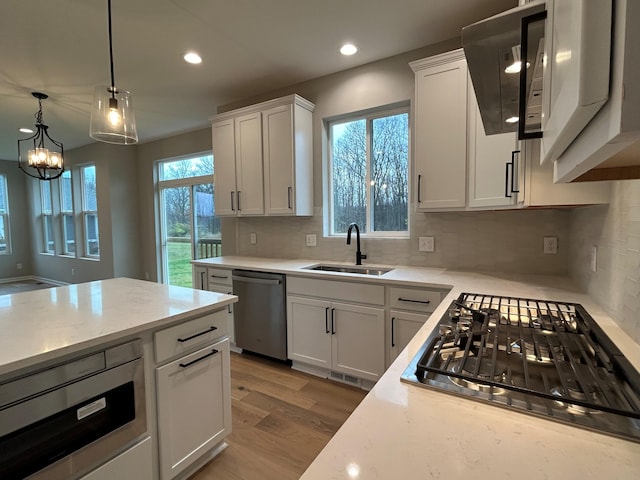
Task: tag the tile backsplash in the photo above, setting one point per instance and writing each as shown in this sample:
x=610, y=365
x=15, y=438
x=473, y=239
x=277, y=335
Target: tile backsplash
x=504, y=241
x=614, y=230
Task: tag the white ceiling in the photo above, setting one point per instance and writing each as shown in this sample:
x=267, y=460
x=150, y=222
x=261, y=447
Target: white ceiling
x=249, y=47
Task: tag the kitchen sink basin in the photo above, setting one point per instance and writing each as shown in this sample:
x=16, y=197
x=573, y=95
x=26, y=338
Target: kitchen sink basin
x=349, y=269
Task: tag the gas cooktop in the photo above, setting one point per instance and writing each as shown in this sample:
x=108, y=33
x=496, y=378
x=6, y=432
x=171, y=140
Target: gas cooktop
x=540, y=357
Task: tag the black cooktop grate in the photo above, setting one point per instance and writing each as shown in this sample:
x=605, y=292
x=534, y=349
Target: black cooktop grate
x=552, y=351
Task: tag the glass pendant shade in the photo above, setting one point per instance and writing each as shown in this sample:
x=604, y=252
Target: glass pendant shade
x=112, y=118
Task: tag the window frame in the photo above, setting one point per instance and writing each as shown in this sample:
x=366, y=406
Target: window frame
x=369, y=116
x=47, y=218
x=64, y=214
x=5, y=217
x=86, y=212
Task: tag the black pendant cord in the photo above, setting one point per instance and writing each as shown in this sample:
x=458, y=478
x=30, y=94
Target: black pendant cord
x=113, y=84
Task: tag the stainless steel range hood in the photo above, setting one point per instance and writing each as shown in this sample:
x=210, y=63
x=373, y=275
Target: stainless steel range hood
x=490, y=47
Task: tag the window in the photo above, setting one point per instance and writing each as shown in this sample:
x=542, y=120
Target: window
x=66, y=213
x=5, y=238
x=47, y=217
x=189, y=227
x=90, y=211
x=369, y=173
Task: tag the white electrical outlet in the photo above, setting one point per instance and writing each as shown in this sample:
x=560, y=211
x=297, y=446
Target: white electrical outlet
x=19, y=266
x=73, y=272
x=253, y=238
x=311, y=240
x=594, y=258
x=426, y=244
x=550, y=245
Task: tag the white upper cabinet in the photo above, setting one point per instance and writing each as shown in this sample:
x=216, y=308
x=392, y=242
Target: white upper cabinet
x=263, y=159
x=440, y=131
x=288, y=159
x=459, y=167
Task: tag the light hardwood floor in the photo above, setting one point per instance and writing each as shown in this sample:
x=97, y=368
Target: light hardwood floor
x=281, y=420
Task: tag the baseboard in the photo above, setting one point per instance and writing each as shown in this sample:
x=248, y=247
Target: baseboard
x=34, y=278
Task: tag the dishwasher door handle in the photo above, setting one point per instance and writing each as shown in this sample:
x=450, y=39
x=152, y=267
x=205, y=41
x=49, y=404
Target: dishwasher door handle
x=261, y=281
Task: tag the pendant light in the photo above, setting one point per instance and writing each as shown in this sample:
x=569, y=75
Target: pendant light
x=44, y=155
x=112, y=118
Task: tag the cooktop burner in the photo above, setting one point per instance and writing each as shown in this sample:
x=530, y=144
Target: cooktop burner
x=544, y=358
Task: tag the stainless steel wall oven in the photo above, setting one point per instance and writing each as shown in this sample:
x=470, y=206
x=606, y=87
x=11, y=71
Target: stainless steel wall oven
x=62, y=422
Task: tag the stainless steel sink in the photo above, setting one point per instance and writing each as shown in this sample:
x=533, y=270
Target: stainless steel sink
x=349, y=269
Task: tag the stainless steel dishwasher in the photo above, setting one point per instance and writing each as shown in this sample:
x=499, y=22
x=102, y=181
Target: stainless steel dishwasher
x=260, y=314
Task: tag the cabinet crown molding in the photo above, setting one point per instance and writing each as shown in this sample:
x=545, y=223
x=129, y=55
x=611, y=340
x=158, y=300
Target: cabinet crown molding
x=436, y=60
x=294, y=99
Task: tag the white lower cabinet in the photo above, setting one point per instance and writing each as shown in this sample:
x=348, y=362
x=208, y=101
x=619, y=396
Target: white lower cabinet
x=338, y=336
x=403, y=326
x=194, y=406
x=136, y=462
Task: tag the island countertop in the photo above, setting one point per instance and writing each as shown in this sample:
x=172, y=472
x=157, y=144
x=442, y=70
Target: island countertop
x=405, y=431
x=45, y=324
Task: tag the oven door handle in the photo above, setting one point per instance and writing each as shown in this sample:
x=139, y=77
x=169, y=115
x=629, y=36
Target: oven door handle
x=188, y=364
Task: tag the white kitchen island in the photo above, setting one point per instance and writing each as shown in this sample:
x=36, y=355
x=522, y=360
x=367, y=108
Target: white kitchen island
x=176, y=327
x=407, y=432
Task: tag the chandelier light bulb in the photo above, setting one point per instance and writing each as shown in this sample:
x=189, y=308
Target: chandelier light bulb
x=114, y=117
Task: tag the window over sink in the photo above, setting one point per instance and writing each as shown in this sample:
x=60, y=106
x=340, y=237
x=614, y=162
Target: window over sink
x=369, y=172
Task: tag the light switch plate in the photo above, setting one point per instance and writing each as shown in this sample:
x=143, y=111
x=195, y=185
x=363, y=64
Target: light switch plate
x=426, y=244
x=311, y=240
x=594, y=258
x=253, y=238
x=550, y=245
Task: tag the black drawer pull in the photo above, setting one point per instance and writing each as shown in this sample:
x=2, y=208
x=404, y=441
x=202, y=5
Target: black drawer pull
x=211, y=329
x=426, y=302
x=211, y=353
x=218, y=276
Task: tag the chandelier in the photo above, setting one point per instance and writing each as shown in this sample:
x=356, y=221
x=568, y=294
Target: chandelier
x=112, y=119
x=44, y=155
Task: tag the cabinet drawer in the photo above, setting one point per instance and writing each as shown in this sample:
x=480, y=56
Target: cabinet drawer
x=194, y=333
x=221, y=276
x=351, y=292
x=417, y=299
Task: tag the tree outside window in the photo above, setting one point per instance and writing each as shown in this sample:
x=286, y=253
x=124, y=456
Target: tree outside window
x=90, y=211
x=369, y=173
x=5, y=237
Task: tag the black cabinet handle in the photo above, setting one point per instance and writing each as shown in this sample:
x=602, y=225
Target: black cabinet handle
x=326, y=320
x=238, y=198
x=218, y=276
x=211, y=329
x=333, y=327
x=508, y=191
x=201, y=280
x=229, y=307
x=211, y=353
x=393, y=340
x=289, y=192
x=232, y=207
x=426, y=302
x=419, y=182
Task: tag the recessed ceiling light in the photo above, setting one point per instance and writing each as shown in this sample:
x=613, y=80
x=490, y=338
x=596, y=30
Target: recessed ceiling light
x=348, y=49
x=192, y=57
x=26, y=130
x=512, y=120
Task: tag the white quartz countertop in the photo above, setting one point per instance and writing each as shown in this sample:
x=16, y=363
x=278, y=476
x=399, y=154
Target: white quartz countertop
x=44, y=324
x=404, y=431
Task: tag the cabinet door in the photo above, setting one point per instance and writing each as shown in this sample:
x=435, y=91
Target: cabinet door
x=441, y=136
x=309, y=331
x=224, y=158
x=489, y=180
x=199, y=277
x=279, y=174
x=227, y=289
x=357, y=340
x=249, y=179
x=194, y=406
x=403, y=326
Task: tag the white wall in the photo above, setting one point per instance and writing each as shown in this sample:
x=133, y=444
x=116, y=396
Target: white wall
x=19, y=223
x=615, y=230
